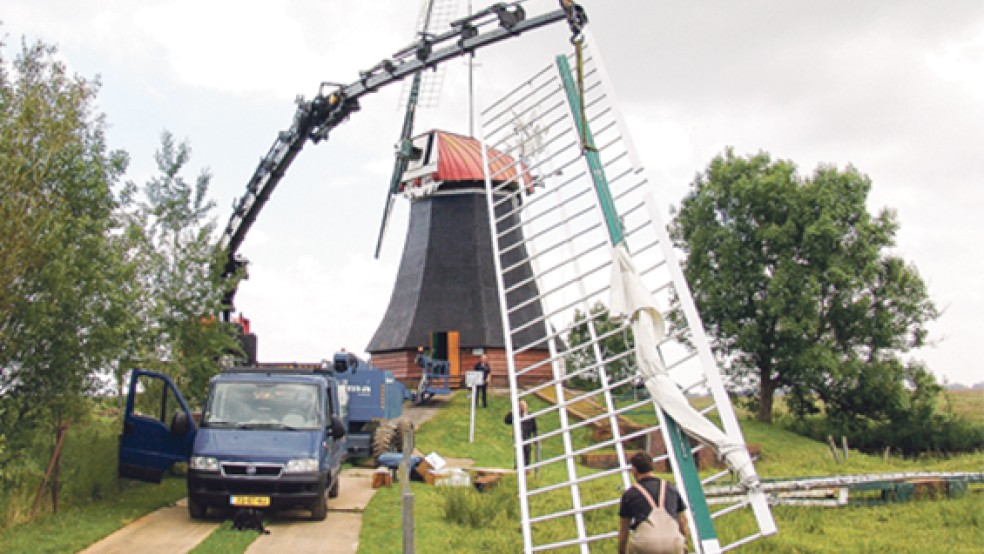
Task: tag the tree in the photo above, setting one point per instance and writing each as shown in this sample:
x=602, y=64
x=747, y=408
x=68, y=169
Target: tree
x=611, y=343
x=90, y=280
x=61, y=298
x=796, y=283
x=179, y=288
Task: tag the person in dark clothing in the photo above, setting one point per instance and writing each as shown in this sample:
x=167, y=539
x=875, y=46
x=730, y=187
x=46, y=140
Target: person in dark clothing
x=635, y=508
x=528, y=428
x=486, y=371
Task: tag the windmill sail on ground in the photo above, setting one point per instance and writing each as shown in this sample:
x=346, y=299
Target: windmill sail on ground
x=591, y=216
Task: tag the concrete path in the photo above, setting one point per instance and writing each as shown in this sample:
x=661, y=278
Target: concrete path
x=295, y=532
x=165, y=531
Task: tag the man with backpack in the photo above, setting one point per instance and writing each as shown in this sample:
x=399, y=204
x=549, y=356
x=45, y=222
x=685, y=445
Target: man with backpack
x=652, y=517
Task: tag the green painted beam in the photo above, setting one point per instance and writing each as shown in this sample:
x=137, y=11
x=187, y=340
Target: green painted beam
x=680, y=444
x=615, y=231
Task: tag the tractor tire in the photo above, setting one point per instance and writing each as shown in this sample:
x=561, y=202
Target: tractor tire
x=388, y=437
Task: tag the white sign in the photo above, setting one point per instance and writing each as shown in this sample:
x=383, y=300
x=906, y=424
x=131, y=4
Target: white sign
x=473, y=378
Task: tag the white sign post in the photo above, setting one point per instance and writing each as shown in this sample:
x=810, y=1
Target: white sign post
x=472, y=379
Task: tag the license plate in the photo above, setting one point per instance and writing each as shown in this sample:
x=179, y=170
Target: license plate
x=250, y=501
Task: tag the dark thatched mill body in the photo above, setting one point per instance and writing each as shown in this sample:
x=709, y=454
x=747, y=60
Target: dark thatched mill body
x=446, y=294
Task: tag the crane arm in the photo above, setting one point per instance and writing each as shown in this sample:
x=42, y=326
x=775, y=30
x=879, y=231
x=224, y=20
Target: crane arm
x=316, y=118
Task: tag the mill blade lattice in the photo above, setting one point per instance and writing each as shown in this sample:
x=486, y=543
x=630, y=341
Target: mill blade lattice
x=582, y=192
x=434, y=18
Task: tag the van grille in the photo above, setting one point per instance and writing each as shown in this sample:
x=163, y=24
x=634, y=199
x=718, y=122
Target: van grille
x=246, y=469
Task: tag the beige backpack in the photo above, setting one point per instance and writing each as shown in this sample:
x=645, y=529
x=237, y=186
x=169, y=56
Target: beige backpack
x=659, y=533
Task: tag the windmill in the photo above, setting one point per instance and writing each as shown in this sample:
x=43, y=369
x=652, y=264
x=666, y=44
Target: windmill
x=446, y=294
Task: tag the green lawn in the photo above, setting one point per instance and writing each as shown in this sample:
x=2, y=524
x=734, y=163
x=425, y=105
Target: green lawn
x=77, y=527
x=460, y=520
x=955, y=525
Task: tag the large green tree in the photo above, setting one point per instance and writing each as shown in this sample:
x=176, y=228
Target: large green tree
x=797, y=284
x=61, y=274
x=94, y=275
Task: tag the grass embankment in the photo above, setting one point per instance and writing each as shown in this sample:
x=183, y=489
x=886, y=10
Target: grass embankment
x=967, y=403
x=952, y=525
x=76, y=527
x=488, y=523
x=92, y=501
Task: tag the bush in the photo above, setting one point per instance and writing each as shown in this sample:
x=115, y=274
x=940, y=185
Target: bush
x=468, y=507
x=916, y=434
x=87, y=470
x=89, y=459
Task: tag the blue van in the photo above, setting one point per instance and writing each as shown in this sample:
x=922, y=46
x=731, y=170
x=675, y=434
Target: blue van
x=267, y=438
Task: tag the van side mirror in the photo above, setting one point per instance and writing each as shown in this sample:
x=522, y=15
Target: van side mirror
x=180, y=424
x=337, y=428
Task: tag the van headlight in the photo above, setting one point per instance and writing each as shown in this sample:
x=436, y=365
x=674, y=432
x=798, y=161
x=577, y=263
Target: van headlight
x=204, y=463
x=302, y=465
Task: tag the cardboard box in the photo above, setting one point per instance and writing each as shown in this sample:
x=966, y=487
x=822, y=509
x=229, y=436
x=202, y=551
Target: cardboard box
x=423, y=470
x=486, y=482
x=382, y=478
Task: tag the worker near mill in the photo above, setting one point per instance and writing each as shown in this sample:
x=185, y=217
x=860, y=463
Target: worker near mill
x=652, y=515
x=528, y=428
x=482, y=366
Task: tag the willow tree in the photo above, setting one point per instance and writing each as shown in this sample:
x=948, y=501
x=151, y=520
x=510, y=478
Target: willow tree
x=62, y=278
x=796, y=282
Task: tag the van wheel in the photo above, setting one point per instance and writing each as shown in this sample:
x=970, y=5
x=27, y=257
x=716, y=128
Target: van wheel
x=319, y=508
x=388, y=437
x=333, y=490
x=196, y=509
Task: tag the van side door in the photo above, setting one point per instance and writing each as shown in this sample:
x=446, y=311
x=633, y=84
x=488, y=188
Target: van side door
x=337, y=409
x=158, y=428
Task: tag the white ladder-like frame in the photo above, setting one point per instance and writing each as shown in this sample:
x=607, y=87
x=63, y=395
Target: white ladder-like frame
x=564, y=241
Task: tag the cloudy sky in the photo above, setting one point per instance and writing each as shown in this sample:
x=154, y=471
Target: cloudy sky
x=895, y=89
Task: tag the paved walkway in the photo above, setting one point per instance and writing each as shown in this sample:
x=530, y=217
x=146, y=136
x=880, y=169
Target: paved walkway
x=338, y=533
x=165, y=531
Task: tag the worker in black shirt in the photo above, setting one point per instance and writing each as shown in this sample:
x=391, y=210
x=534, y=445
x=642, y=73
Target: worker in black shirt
x=528, y=428
x=635, y=507
x=483, y=367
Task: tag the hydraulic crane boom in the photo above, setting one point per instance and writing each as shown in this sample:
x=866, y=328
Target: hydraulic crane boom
x=316, y=118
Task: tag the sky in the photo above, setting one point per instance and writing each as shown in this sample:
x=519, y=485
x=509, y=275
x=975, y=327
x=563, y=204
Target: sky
x=894, y=89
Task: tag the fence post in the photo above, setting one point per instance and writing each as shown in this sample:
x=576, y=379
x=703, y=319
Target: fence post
x=407, y=506
x=833, y=448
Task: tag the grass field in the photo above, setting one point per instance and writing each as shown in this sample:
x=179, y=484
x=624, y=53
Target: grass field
x=488, y=523
x=968, y=403
x=951, y=525
x=76, y=527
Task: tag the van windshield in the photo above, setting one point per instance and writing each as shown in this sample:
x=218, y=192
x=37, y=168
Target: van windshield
x=263, y=405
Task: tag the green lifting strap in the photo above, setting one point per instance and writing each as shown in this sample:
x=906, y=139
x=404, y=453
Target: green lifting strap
x=680, y=445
